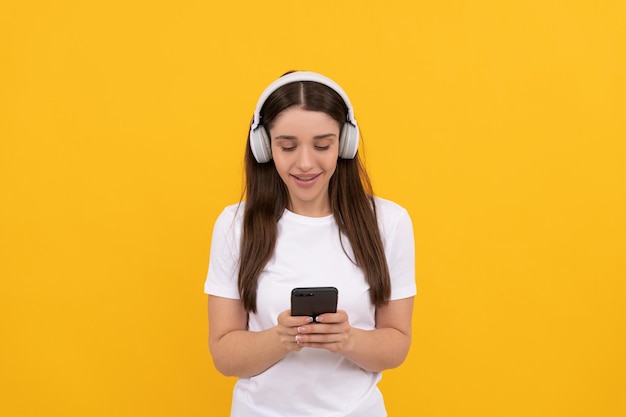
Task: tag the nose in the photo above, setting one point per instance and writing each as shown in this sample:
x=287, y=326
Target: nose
x=305, y=159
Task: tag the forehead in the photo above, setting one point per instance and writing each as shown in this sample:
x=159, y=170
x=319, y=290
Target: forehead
x=294, y=119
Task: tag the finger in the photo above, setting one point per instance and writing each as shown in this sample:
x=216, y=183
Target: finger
x=293, y=321
x=338, y=317
x=333, y=328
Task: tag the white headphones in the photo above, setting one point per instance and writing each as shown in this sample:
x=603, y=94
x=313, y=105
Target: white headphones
x=259, y=137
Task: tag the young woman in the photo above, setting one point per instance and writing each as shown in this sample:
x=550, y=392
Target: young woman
x=309, y=219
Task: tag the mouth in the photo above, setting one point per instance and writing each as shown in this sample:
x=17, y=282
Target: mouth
x=306, y=178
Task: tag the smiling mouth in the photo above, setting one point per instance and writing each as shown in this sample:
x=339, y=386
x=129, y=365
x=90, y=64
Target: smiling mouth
x=306, y=177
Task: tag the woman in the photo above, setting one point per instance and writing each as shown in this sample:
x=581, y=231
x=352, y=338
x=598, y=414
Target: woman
x=309, y=219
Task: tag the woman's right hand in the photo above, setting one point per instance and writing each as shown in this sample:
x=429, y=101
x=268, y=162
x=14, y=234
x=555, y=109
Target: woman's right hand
x=240, y=352
x=287, y=329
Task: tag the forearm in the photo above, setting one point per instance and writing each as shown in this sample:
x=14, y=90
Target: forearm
x=379, y=349
x=243, y=353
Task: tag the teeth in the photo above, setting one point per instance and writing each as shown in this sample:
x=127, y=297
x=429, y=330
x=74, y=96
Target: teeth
x=308, y=178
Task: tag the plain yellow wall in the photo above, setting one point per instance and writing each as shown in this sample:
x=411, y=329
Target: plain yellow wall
x=500, y=125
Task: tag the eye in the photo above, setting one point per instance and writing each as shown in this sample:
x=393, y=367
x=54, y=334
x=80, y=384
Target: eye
x=287, y=148
x=323, y=148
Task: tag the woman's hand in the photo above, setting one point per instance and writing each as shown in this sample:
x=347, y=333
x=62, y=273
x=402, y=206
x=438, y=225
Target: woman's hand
x=384, y=347
x=287, y=329
x=240, y=352
x=375, y=350
x=332, y=332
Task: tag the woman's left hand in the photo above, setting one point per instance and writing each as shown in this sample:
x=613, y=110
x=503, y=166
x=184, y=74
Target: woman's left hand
x=331, y=332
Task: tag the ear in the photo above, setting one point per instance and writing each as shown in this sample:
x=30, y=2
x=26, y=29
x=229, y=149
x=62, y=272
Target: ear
x=260, y=145
x=348, y=141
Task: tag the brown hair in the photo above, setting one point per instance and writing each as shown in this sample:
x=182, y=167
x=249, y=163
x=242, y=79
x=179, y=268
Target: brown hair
x=350, y=192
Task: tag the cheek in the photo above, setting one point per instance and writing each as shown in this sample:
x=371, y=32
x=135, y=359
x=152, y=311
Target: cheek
x=331, y=163
x=281, y=166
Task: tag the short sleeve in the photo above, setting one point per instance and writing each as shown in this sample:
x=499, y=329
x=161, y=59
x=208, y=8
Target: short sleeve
x=397, y=230
x=224, y=256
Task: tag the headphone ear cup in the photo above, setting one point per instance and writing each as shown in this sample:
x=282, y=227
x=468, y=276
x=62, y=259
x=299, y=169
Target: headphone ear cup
x=260, y=145
x=348, y=141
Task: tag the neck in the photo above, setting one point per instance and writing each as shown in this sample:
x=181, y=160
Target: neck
x=321, y=209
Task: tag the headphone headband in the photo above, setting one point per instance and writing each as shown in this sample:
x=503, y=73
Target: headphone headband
x=259, y=137
x=299, y=76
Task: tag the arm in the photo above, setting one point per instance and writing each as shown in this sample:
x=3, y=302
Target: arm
x=374, y=350
x=239, y=352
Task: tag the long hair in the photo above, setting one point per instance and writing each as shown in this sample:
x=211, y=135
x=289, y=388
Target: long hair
x=350, y=194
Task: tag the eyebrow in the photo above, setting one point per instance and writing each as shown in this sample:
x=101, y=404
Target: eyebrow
x=289, y=137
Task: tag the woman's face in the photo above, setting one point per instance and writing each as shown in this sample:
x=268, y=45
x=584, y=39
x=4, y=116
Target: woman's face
x=305, y=148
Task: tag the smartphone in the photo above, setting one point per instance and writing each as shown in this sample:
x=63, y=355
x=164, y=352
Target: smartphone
x=313, y=301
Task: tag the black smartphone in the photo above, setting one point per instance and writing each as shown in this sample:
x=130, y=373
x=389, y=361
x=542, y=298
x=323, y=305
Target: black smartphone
x=313, y=301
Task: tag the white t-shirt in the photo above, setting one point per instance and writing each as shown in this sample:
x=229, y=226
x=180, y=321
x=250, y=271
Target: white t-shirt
x=309, y=253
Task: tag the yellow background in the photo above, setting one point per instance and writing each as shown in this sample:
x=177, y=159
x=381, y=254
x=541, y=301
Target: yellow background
x=500, y=125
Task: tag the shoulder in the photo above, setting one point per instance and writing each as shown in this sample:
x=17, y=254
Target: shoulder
x=230, y=218
x=391, y=216
x=387, y=209
x=232, y=212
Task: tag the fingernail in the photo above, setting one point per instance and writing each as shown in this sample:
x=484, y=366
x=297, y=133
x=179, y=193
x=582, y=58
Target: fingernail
x=298, y=339
x=301, y=329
